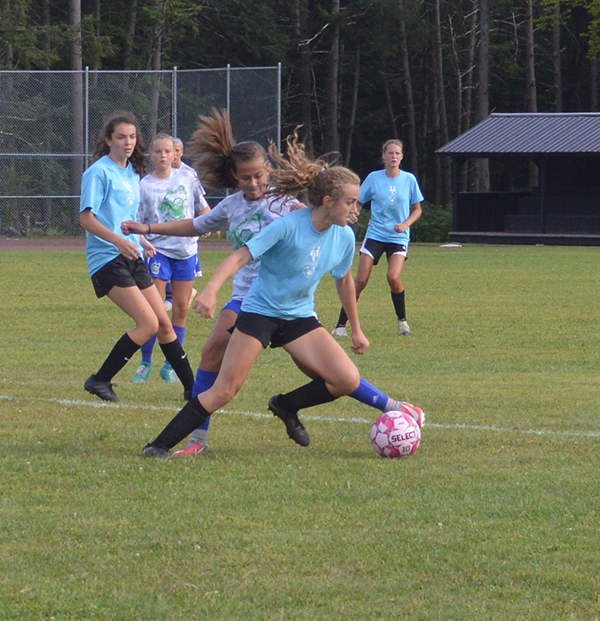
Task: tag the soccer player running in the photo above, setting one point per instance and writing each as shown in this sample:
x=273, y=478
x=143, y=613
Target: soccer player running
x=110, y=193
x=395, y=206
x=296, y=252
x=223, y=163
x=165, y=196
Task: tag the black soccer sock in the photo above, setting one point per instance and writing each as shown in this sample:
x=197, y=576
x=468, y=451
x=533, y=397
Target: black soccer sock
x=399, y=305
x=178, y=359
x=119, y=356
x=307, y=396
x=343, y=320
x=190, y=417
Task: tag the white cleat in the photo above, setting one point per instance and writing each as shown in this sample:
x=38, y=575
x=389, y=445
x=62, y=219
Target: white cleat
x=403, y=328
x=339, y=331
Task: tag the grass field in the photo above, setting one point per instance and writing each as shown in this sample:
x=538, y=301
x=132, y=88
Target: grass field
x=496, y=517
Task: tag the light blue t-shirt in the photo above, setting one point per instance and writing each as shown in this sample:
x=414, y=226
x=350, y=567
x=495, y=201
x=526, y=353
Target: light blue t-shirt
x=391, y=199
x=294, y=259
x=113, y=195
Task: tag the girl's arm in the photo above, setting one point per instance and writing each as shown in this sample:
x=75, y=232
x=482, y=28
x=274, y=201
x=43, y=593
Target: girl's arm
x=90, y=223
x=347, y=294
x=176, y=228
x=206, y=301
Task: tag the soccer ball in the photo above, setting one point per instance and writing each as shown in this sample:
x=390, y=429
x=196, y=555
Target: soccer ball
x=395, y=434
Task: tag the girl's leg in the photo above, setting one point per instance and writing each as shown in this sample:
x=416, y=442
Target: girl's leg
x=237, y=362
x=365, y=267
x=143, y=371
x=206, y=375
x=394, y=277
x=182, y=290
x=335, y=375
x=133, y=302
x=167, y=339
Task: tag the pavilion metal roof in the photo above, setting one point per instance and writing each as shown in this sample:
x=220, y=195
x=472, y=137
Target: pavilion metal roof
x=529, y=134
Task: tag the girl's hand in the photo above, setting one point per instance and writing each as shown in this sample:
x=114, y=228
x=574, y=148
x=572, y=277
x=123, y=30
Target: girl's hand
x=360, y=343
x=205, y=304
x=400, y=227
x=128, y=249
x=149, y=251
x=131, y=226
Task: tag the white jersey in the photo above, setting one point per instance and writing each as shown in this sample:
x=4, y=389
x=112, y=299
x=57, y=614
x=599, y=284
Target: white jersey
x=243, y=220
x=166, y=200
x=200, y=203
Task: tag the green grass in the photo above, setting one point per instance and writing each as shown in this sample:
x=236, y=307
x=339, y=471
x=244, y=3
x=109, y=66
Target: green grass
x=495, y=517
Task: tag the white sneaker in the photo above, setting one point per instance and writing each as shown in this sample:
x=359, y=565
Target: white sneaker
x=339, y=331
x=192, y=297
x=403, y=328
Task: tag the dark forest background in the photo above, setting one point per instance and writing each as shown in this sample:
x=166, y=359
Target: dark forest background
x=355, y=72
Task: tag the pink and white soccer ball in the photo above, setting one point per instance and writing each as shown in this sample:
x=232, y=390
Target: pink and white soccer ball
x=395, y=434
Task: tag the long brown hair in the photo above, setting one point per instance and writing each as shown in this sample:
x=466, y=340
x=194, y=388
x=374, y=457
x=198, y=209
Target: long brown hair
x=138, y=157
x=295, y=172
x=214, y=152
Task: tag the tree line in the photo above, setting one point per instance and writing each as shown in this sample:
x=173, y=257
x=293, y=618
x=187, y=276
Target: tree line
x=355, y=72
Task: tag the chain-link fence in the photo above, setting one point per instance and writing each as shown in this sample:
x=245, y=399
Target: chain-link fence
x=50, y=120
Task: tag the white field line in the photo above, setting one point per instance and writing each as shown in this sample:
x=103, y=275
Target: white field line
x=326, y=419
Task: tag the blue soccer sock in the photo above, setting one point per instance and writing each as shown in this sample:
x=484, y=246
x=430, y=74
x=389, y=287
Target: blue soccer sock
x=180, y=332
x=369, y=395
x=204, y=381
x=147, y=349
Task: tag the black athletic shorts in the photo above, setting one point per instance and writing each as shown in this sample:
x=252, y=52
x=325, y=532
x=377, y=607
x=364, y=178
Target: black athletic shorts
x=375, y=249
x=121, y=272
x=273, y=331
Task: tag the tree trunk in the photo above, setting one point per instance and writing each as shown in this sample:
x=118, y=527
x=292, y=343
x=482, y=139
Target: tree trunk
x=305, y=72
x=410, y=150
x=128, y=45
x=76, y=101
x=46, y=202
x=388, y=103
x=332, y=138
x=531, y=90
x=594, y=82
x=467, y=172
x=483, y=103
x=446, y=185
x=558, y=105
x=353, y=107
x=155, y=64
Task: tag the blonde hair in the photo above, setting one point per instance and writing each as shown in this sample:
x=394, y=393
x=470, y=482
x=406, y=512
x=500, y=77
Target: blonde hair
x=395, y=141
x=161, y=136
x=215, y=154
x=295, y=172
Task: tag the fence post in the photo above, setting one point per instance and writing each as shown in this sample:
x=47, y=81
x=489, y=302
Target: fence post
x=174, y=104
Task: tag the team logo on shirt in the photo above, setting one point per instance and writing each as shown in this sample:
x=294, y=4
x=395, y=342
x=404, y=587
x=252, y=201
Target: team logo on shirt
x=246, y=230
x=173, y=204
x=392, y=198
x=131, y=197
x=309, y=267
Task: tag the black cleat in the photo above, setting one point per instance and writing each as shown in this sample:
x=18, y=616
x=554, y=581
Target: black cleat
x=295, y=429
x=100, y=389
x=187, y=395
x=155, y=451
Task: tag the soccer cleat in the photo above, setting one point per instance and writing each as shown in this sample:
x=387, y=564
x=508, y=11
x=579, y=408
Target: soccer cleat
x=295, y=429
x=100, y=389
x=168, y=374
x=155, y=451
x=403, y=327
x=193, y=447
x=187, y=394
x=407, y=408
x=142, y=373
x=339, y=331
x=192, y=297
x=168, y=304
